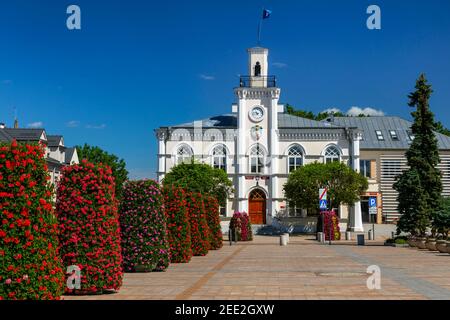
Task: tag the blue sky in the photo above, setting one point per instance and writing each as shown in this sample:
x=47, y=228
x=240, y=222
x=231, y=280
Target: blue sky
x=137, y=65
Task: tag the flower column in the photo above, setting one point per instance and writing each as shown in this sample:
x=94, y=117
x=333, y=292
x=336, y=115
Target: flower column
x=161, y=135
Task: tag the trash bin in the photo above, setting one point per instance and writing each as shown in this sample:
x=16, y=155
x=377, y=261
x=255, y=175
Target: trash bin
x=319, y=236
x=348, y=235
x=370, y=235
x=287, y=237
x=360, y=239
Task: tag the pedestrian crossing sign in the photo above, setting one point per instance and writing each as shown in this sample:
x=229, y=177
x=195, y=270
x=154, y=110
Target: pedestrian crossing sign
x=323, y=204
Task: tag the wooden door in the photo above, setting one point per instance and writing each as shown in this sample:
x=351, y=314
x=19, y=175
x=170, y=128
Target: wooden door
x=257, y=207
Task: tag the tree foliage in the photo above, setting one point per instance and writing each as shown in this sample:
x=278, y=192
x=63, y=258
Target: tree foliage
x=96, y=155
x=202, y=178
x=420, y=187
x=441, y=219
x=344, y=185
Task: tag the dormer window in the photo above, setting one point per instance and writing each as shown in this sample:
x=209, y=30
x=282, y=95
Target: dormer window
x=394, y=135
x=379, y=135
x=410, y=135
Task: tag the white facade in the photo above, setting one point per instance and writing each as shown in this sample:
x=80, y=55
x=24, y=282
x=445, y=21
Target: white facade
x=260, y=142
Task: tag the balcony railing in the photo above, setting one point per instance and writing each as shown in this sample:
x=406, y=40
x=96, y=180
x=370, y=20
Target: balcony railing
x=258, y=82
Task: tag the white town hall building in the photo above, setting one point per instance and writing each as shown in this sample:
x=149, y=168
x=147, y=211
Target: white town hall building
x=258, y=144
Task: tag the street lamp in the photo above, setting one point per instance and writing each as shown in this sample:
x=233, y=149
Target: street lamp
x=257, y=180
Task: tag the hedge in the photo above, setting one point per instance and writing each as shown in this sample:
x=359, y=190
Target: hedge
x=89, y=223
x=143, y=227
x=212, y=214
x=30, y=267
x=241, y=222
x=199, y=224
x=178, y=226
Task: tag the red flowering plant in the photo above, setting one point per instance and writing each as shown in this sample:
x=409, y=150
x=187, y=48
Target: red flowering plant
x=212, y=214
x=89, y=224
x=143, y=227
x=199, y=224
x=30, y=266
x=331, y=224
x=241, y=223
x=178, y=226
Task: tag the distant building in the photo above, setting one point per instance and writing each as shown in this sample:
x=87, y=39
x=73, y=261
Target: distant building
x=258, y=144
x=57, y=154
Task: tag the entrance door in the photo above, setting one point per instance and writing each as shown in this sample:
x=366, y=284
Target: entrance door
x=257, y=207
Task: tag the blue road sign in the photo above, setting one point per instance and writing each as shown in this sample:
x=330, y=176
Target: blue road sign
x=323, y=204
x=372, y=202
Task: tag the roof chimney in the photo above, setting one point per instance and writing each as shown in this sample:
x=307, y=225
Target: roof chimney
x=16, y=124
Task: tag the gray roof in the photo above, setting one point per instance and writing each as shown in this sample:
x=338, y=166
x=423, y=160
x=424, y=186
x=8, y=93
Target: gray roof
x=222, y=121
x=290, y=121
x=54, y=140
x=22, y=134
x=369, y=126
x=69, y=155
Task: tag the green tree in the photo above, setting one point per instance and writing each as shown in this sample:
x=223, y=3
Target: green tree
x=97, y=155
x=200, y=177
x=441, y=129
x=441, y=219
x=420, y=187
x=344, y=185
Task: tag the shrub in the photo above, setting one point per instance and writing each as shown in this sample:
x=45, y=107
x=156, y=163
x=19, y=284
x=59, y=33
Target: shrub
x=241, y=222
x=30, y=267
x=199, y=225
x=143, y=227
x=331, y=220
x=178, y=227
x=212, y=213
x=90, y=233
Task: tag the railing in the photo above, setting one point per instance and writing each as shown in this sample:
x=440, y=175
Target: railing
x=258, y=82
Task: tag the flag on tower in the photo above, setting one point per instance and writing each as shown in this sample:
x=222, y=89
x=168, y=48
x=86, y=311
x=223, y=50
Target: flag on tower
x=266, y=13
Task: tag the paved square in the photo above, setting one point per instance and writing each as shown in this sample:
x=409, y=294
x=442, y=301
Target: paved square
x=304, y=269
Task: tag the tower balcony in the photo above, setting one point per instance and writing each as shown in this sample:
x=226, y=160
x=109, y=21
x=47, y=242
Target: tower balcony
x=257, y=81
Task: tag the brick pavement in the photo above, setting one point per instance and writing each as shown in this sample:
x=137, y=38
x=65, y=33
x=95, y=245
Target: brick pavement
x=304, y=269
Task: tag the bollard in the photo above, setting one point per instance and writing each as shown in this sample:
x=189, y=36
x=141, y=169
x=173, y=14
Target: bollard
x=283, y=240
x=229, y=237
x=348, y=235
x=319, y=236
x=287, y=237
x=360, y=239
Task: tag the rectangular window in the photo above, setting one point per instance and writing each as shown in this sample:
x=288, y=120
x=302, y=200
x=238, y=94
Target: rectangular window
x=223, y=211
x=379, y=135
x=393, y=134
x=365, y=168
x=293, y=211
x=256, y=164
x=294, y=163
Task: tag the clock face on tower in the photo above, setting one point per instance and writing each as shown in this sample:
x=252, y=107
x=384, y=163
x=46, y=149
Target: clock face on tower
x=256, y=113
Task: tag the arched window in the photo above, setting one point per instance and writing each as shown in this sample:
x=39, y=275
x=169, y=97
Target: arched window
x=256, y=159
x=332, y=154
x=295, y=158
x=184, y=154
x=219, y=158
x=257, y=69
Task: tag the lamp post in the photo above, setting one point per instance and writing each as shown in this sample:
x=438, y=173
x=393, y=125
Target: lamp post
x=257, y=180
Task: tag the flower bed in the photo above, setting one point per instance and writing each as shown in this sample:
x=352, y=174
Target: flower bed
x=30, y=266
x=199, y=225
x=330, y=217
x=90, y=233
x=143, y=227
x=241, y=222
x=212, y=213
x=178, y=227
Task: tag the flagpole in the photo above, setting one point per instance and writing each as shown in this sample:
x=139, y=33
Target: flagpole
x=259, y=31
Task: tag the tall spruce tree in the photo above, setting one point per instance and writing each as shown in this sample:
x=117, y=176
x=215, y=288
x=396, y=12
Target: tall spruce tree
x=420, y=187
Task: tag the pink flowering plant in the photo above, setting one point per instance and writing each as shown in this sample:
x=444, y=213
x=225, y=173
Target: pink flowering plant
x=143, y=227
x=241, y=223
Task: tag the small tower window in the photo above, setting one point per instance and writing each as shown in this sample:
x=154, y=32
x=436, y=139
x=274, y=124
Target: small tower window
x=257, y=69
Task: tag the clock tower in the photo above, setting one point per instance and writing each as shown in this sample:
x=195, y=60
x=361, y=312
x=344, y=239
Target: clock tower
x=257, y=135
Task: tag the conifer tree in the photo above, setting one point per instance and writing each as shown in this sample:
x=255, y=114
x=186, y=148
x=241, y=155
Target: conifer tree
x=420, y=187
